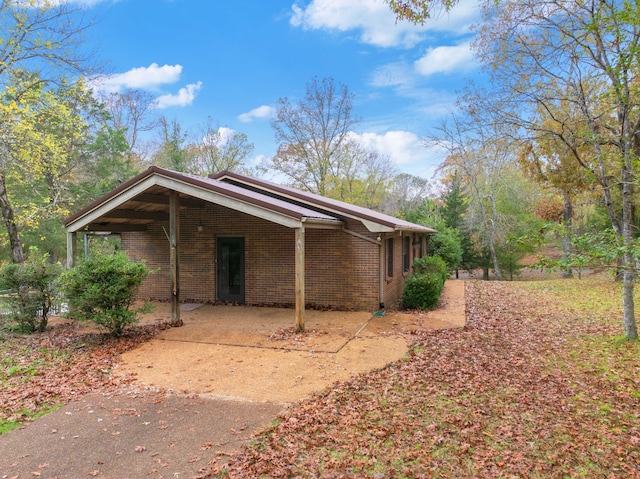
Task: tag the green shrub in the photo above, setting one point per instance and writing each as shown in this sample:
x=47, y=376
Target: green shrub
x=32, y=291
x=422, y=291
x=102, y=289
x=431, y=264
x=423, y=288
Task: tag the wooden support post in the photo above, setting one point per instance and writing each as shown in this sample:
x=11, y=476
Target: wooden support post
x=174, y=258
x=299, y=286
x=71, y=249
x=86, y=245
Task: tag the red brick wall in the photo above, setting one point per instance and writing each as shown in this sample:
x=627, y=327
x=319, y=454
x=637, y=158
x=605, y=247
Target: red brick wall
x=341, y=270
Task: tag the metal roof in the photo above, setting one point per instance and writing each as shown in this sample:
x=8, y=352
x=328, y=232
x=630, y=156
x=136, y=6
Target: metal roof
x=141, y=201
x=328, y=205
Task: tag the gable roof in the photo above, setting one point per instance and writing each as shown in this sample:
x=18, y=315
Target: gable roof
x=373, y=220
x=133, y=204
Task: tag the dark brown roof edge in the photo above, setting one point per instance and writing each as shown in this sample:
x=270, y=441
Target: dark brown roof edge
x=193, y=180
x=361, y=212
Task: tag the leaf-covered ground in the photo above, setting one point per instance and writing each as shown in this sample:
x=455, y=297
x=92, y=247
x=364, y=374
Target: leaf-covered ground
x=44, y=370
x=536, y=385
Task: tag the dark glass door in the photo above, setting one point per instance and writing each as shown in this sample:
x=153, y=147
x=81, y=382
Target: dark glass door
x=230, y=275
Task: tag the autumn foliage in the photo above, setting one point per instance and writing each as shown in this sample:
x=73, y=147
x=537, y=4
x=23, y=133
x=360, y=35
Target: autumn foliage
x=533, y=386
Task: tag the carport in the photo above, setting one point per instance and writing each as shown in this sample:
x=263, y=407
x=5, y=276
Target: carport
x=158, y=196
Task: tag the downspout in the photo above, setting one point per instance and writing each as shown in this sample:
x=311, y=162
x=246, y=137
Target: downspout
x=381, y=272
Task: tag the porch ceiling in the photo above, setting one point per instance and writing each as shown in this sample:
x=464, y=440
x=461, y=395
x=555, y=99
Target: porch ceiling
x=150, y=207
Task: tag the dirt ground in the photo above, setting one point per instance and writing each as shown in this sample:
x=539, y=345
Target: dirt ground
x=251, y=353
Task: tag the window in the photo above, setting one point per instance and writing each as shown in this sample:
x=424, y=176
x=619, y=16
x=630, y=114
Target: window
x=390, y=258
x=406, y=254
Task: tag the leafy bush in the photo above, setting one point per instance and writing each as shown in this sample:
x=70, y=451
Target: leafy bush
x=431, y=264
x=423, y=288
x=33, y=289
x=422, y=291
x=102, y=289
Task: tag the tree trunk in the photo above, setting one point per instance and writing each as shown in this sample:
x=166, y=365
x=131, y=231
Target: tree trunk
x=567, y=220
x=17, y=254
x=628, y=263
x=492, y=244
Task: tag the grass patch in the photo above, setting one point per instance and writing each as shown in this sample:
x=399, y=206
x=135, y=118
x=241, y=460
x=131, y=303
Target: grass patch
x=25, y=415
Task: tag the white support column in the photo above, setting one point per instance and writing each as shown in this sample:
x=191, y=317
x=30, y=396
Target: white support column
x=299, y=283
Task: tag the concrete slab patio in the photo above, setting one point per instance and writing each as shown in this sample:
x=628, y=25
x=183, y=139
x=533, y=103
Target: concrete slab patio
x=251, y=353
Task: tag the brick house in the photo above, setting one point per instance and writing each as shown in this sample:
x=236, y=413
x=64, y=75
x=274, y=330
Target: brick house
x=234, y=238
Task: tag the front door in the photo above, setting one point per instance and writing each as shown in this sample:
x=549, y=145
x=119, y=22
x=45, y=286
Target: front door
x=230, y=271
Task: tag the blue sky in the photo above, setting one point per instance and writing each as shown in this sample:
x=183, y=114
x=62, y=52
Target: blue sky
x=231, y=60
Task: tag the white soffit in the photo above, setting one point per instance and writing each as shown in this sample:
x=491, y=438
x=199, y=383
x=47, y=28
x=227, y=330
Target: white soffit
x=376, y=227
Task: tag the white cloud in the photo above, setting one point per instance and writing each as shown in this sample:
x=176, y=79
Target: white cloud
x=376, y=22
x=147, y=78
x=220, y=138
x=406, y=149
x=446, y=59
x=372, y=17
x=262, y=111
x=184, y=97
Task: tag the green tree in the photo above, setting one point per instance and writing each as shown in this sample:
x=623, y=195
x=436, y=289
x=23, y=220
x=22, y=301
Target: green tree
x=39, y=130
x=174, y=151
x=40, y=44
x=453, y=211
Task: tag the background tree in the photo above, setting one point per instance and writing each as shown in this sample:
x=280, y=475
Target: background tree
x=39, y=129
x=551, y=164
x=131, y=112
x=418, y=11
x=453, y=212
x=584, y=55
x=220, y=149
x=406, y=192
x=312, y=135
x=46, y=40
x=38, y=47
x=173, y=151
x=363, y=177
